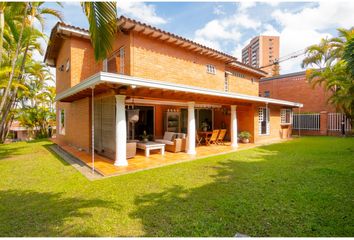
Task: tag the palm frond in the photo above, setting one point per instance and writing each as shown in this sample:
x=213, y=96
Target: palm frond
x=102, y=18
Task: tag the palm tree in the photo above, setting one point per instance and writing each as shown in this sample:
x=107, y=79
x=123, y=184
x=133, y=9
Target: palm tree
x=102, y=18
x=333, y=59
x=20, y=46
x=14, y=60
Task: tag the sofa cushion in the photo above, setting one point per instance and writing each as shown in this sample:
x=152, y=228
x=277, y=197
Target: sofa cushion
x=180, y=135
x=167, y=142
x=170, y=136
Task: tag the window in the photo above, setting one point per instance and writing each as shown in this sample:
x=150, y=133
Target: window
x=237, y=74
x=211, y=69
x=263, y=121
x=286, y=116
x=266, y=93
x=121, y=60
x=105, y=65
x=62, y=121
x=226, y=84
x=115, y=63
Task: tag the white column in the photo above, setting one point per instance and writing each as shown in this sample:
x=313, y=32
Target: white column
x=233, y=126
x=121, y=132
x=191, y=129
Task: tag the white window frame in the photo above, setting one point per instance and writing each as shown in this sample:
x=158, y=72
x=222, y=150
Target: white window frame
x=260, y=120
x=283, y=114
x=119, y=53
x=62, y=127
x=211, y=69
x=121, y=60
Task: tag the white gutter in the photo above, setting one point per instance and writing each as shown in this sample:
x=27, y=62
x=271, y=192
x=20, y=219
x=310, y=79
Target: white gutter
x=78, y=32
x=102, y=77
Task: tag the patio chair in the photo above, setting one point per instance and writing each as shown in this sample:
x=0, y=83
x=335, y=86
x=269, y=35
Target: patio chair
x=198, y=139
x=213, y=137
x=174, y=142
x=221, y=136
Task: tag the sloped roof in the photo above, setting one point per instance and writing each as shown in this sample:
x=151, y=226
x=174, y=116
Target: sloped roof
x=127, y=24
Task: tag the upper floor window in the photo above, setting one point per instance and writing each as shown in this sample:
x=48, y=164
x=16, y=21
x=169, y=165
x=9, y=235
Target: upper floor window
x=226, y=84
x=285, y=116
x=266, y=93
x=211, y=69
x=263, y=121
x=121, y=59
x=62, y=121
x=115, y=63
x=237, y=74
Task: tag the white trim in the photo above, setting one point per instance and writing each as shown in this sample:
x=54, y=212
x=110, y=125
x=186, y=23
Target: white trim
x=142, y=82
x=61, y=130
x=261, y=118
x=169, y=103
x=78, y=32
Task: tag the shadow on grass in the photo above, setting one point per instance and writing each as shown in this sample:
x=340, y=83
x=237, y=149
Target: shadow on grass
x=14, y=149
x=29, y=213
x=273, y=193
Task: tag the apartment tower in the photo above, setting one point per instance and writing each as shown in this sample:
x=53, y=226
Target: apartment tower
x=261, y=51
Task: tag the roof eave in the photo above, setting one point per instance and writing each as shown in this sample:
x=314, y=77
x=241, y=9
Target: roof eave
x=103, y=77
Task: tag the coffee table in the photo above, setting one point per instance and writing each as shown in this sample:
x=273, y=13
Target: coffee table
x=147, y=146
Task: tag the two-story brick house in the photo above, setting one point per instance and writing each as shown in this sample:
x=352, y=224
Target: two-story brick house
x=158, y=73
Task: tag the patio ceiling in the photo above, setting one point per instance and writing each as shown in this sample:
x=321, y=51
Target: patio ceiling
x=110, y=84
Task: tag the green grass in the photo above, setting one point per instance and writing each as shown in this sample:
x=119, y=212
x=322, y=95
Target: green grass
x=299, y=188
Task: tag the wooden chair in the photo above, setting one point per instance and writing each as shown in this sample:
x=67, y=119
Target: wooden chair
x=213, y=137
x=198, y=139
x=221, y=136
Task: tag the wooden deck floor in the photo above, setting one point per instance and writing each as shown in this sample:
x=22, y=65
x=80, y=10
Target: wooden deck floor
x=106, y=166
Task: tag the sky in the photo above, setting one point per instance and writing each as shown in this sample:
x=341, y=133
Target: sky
x=229, y=26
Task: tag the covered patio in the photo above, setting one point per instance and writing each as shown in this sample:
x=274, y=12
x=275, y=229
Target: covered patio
x=122, y=91
x=105, y=166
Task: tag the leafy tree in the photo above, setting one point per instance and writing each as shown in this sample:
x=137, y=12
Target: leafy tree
x=332, y=60
x=24, y=88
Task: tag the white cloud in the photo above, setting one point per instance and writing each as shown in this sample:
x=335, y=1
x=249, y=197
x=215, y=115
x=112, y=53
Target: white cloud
x=308, y=26
x=272, y=3
x=227, y=30
x=243, y=6
x=141, y=11
x=218, y=10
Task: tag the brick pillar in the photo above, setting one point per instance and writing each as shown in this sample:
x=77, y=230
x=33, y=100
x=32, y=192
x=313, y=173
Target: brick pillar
x=323, y=123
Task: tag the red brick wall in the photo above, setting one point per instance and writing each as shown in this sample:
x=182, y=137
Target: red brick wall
x=77, y=123
x=297, y=89
x=63, y=78
x=275, y=124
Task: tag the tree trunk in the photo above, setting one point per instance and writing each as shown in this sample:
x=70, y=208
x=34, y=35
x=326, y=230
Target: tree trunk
x=2, y=26
x=14, y=60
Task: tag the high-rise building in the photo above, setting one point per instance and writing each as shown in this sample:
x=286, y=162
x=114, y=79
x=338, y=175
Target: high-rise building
x=261, y=51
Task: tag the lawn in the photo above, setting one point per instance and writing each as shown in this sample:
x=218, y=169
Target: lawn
x=299, y=188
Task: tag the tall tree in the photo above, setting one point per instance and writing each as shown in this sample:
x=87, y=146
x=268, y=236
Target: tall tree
x=333, y=62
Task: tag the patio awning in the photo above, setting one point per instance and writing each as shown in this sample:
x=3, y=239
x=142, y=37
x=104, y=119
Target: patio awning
x=153, y=89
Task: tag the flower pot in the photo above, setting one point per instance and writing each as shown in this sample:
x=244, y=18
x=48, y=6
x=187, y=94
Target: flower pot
x=245, y=140
x=145, y=140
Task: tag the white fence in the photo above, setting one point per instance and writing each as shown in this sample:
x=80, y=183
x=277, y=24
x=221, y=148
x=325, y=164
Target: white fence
x=335, y=122
x=306, y=121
